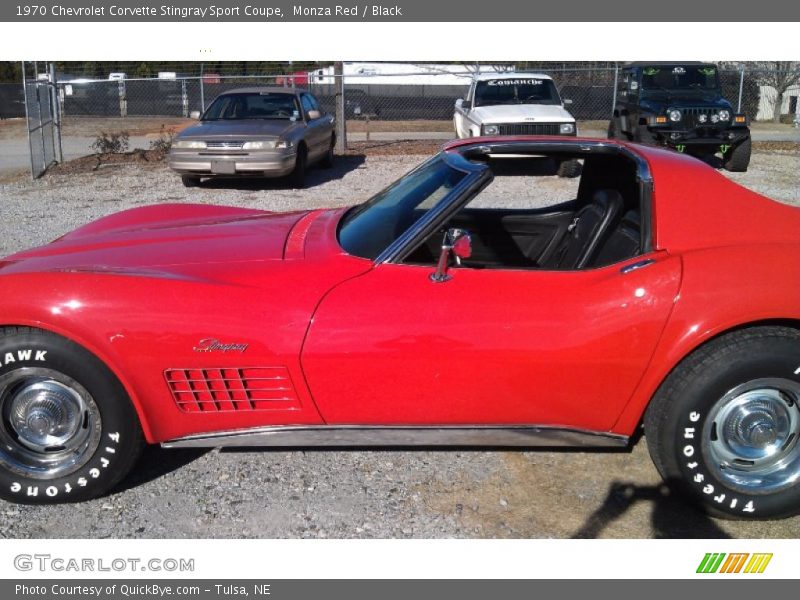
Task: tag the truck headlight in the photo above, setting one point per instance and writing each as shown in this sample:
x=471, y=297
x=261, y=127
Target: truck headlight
x=566, y=128
x=491, y=130
x=189, y=145
x=674, y=115
x=702, y=118
x=724, y=115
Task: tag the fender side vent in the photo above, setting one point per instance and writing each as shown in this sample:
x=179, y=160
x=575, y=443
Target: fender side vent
x=232, y=389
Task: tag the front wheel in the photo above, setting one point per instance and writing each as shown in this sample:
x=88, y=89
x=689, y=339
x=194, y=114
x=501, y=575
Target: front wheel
x=725, y=425
x=67, y=429
x=737, y=159
x=297, y=178
x=330, y=154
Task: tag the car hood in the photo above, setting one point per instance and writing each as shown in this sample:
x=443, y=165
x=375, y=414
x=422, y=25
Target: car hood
x=239, y=128
x=522, y=113
x=163, y=240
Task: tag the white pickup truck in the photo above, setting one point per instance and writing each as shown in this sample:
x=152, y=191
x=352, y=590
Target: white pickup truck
x=515, y=104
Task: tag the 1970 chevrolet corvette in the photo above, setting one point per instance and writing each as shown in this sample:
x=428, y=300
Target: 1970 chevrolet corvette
x=662, y=294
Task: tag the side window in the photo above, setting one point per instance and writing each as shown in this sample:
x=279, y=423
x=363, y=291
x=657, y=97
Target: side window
x=530, y=218
x=305, y=100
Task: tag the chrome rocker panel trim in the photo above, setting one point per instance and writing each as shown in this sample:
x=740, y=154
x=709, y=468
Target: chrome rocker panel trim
x=358, y=436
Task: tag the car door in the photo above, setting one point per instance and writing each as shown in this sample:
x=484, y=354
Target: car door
x=489, y=346
x=319, y=129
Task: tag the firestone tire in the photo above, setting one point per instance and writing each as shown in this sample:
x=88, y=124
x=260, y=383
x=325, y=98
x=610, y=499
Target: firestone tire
x=68, y=431
x=725, y=426
x=737, y=159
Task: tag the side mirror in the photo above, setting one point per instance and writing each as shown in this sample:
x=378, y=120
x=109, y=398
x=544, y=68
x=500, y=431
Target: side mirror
x=457, y=242
x=460, y=103
x=314, y=114
x=195, y=114
x=567, y=101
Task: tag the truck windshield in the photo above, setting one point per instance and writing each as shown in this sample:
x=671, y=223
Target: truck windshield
x=679, y=78
x=519, y=90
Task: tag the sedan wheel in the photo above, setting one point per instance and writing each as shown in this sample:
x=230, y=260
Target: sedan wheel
x=725, y=425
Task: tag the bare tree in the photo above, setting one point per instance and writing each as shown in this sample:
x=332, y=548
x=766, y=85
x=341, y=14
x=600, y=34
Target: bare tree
x=780, y=75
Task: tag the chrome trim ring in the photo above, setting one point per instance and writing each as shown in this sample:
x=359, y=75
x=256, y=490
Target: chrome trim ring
x=751, y=439
x=50, y=425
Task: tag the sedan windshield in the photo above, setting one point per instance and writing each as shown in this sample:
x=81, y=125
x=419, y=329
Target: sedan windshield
x=252, y=105
x=522, y=90
x=368, y=229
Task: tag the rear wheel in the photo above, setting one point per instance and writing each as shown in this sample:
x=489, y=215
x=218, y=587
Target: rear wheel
x=738, y=157
x=569, y=168
x=725, y=425
x=67, y=429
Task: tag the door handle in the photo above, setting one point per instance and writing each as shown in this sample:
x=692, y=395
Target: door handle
x=636, y=266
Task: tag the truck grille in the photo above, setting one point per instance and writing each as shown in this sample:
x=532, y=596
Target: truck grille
x=529, y=128
x=690, y=115
x=232, y=389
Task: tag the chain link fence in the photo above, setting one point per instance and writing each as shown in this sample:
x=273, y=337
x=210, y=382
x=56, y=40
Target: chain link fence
x=387, y=97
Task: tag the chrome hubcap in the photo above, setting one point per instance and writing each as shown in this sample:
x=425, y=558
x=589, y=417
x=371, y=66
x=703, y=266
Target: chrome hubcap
x=751, y=436
x=50, y=423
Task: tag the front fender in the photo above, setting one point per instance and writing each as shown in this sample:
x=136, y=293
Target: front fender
x=722, y=289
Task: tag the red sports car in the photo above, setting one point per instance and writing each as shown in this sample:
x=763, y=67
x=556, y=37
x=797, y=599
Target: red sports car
x=658, y=293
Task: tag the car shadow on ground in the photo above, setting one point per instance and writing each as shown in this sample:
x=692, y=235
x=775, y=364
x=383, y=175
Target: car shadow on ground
x=155, y=462
x=315, y=176
x=670, y=516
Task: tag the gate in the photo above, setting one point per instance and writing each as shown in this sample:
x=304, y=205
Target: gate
x=43, y=117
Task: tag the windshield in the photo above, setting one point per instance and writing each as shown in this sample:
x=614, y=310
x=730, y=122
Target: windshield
x=368, y=229
x=523, y=90
x=679, y=78
x=252, y=105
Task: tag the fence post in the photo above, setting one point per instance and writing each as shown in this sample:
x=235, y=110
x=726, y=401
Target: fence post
x=55, y=109
x=27, y=119
x=341, y=113
x=614, y=90
x=741, y=90
x=202, y=92
x=123, y=100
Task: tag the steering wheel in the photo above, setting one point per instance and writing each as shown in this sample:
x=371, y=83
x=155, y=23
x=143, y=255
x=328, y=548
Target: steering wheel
x=282, y=113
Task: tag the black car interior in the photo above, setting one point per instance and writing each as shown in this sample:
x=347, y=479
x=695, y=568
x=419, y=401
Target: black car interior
x=601, y=226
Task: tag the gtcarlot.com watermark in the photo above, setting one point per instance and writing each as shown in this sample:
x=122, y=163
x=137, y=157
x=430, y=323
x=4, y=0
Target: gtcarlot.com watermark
x=46, y=563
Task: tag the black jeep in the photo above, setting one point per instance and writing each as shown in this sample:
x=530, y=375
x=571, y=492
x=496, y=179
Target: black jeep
x=680, y=105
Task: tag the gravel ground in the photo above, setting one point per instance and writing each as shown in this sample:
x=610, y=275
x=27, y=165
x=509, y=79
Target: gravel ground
x=271, y=494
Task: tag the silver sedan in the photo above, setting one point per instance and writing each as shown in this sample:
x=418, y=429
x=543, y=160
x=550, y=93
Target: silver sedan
x=256, y=132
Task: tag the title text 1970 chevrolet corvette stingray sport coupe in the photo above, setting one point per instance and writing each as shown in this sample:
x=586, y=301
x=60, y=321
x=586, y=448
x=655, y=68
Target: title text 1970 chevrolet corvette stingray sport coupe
x=660, y=293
